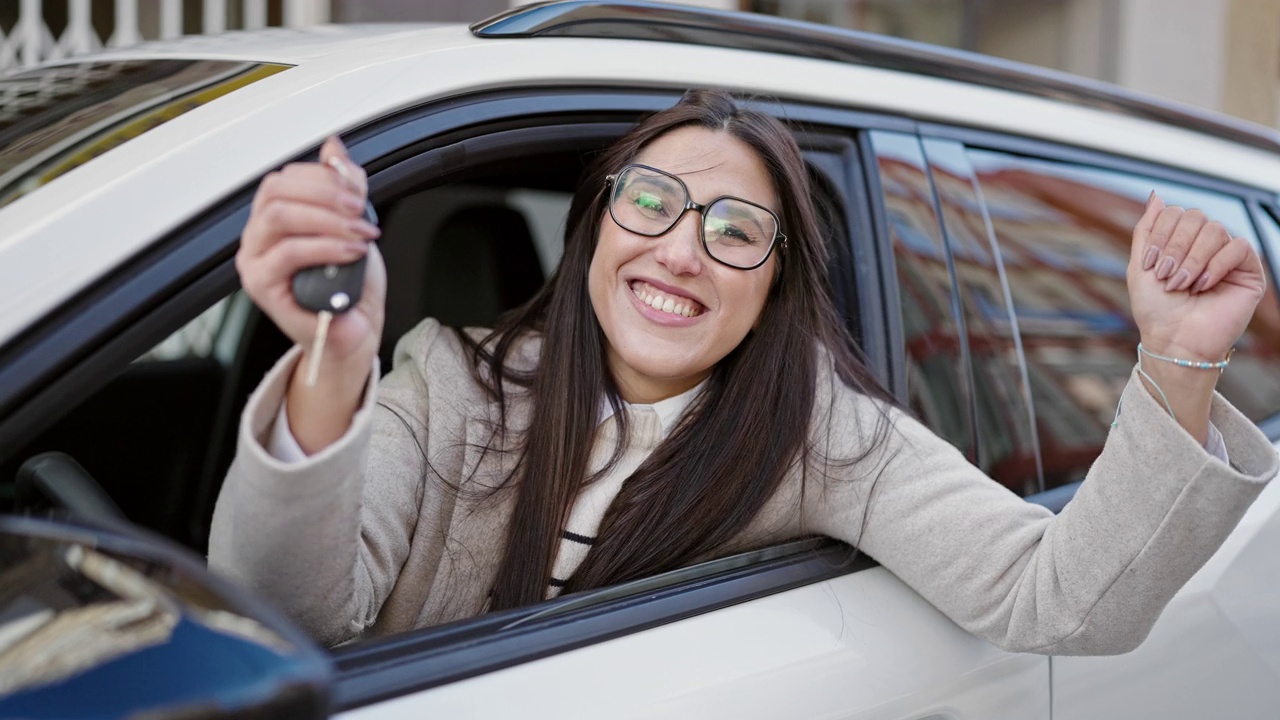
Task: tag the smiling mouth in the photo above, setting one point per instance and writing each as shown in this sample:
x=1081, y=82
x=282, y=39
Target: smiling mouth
x=665, y=302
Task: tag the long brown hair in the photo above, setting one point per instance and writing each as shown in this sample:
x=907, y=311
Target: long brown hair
x=735, y=444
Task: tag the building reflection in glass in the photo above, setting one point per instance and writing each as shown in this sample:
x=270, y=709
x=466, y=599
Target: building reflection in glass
x=1007, y=442
x=937, y=389
x=1064, y=233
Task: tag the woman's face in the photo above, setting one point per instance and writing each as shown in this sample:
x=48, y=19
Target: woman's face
x=654, y=353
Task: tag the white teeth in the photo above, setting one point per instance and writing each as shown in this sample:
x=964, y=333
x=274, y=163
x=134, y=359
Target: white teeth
x=662, y=302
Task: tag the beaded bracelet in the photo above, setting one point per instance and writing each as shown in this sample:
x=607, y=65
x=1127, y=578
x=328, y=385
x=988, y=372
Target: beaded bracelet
x=1198, y=364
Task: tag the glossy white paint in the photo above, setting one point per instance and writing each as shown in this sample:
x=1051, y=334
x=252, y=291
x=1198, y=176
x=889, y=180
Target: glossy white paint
x=1215, y=651
x=131, y=196
x=860, y=647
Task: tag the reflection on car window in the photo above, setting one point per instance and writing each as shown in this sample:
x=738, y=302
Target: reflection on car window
x=936, y=383
x=1064, y=233
x=1006, y=437
x=55, y=119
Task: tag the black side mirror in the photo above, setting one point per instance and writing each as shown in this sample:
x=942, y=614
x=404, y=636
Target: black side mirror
x=95, y=623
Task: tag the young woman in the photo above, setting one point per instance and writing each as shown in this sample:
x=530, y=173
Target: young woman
x=682, y=389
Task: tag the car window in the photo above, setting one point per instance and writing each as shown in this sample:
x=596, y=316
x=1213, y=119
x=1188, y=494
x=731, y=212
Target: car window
x=54, y=119
x=1006, y=436
x=1064, y=232
x=936, y=372
x=159, y=436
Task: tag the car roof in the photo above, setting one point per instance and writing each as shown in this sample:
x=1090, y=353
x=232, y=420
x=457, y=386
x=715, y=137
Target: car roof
x=103, y=213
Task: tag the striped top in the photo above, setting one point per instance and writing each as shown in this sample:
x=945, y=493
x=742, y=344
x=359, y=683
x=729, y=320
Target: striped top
x=648, y=425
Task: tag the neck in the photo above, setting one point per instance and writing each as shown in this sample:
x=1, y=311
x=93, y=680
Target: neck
x=639, y=390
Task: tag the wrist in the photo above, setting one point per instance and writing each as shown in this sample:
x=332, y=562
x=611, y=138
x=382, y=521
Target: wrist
x=1182, y=385
x=320, y=414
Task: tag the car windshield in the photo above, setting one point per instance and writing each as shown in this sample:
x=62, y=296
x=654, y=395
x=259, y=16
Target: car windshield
x=55, y=119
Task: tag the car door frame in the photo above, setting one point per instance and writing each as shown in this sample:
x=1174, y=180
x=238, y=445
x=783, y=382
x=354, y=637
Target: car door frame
x=92, y=338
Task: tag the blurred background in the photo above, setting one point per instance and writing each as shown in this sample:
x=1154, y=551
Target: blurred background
x=1222, y=55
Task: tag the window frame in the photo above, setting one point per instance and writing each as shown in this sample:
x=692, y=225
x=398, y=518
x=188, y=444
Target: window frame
x=1257, y=201
x=93, y=337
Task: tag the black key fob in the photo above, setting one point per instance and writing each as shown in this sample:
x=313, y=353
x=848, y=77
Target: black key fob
x=333, y=288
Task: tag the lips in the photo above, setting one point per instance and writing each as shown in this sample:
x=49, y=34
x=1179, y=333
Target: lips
x=665, y=300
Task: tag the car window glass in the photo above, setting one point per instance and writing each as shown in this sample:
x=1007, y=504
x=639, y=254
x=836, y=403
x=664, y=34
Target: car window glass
x=1006, y=437
x=56, y=118
x=936, y=377
x=1064, y=233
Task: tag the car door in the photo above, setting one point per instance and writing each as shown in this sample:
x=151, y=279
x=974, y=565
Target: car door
x=1061, y=222
x=805, y=629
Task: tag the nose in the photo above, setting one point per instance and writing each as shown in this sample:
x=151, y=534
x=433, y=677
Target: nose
x=678, y=250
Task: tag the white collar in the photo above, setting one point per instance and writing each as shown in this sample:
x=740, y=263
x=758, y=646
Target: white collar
x=668, y=410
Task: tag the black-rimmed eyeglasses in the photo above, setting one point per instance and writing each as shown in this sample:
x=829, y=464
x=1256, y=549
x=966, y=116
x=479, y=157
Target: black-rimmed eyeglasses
x=735, y=232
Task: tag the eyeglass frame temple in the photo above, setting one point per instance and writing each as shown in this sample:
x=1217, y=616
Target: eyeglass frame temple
x=779, y=237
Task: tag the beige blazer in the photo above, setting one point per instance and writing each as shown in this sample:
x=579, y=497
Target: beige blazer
x=368, y=536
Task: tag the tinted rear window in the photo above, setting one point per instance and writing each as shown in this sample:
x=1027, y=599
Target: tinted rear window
x=55, y=119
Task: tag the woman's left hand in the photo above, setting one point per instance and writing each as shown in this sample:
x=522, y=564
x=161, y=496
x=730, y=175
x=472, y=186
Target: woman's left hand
x=1192, y=286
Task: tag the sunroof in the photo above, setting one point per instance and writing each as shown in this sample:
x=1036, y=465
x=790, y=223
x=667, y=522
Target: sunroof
x=57, y=118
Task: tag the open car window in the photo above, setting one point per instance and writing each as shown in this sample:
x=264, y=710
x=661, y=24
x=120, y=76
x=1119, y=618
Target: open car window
x=462, y=246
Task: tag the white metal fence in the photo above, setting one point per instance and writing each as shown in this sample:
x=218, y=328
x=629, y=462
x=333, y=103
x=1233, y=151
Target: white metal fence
x=31, y=41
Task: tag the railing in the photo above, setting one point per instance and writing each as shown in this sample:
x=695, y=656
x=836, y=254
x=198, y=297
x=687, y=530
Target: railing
x=31, y=41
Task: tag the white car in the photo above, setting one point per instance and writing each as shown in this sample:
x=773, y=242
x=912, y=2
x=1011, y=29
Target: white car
x=978, y=212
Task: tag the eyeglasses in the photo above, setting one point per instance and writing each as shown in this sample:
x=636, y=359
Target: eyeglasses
x=735, y=232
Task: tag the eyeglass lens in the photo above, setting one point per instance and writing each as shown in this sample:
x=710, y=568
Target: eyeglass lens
x=735, y=232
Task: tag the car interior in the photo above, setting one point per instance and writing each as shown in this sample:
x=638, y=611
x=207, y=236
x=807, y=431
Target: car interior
x=155, y=441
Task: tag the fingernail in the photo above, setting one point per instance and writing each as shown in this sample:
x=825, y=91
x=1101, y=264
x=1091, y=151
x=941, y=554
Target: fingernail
x=1178, y=281
x=362, y=227
x=352, y=203
x=1166, y=268
x=1150, y=199
x=344, y=149
x=343, y=171
x=1201, y=283
x=1149, y=261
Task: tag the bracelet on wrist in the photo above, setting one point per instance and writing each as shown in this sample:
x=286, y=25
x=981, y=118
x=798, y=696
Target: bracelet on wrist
x=1219, y=365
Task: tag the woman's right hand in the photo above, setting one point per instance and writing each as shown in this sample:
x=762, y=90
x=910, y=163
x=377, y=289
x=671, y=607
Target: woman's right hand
x=303, y=215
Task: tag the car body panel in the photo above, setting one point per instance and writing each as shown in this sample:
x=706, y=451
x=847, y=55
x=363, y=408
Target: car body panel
x=861, y=646
x=1214, y=652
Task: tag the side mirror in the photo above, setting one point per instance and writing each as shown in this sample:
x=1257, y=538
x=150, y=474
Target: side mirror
x=95, y=623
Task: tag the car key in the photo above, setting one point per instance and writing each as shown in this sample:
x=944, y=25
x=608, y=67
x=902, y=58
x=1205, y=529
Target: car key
x=330, y=290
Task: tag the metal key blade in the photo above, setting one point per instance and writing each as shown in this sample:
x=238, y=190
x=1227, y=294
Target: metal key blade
x=323, y=318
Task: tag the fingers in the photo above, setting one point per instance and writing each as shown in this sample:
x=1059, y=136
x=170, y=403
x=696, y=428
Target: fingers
x=1185, y=251
x=1238, y=264
x=309, y=183
x=282, y=219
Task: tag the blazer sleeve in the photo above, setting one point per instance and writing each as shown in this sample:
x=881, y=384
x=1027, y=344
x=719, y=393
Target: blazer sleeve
x=1091, y=580
x=325, y=538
